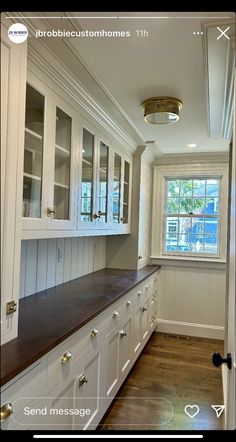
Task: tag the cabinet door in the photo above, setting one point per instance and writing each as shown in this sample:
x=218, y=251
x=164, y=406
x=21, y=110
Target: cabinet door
x=13, y=80
x=87, y=161
x=116, y=190
x=125, y=349
x=136, y=323
x=153, y=311
x=34, y=174
x=112, y=362
x=144, y=318
x=61, y=212
x=87, y=391
x=102, y=201
x=126, y=193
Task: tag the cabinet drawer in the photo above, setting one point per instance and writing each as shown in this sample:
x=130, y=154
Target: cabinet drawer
x=21, y=393
x=60, y=361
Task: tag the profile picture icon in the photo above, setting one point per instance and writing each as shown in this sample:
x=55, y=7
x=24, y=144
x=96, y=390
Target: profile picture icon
x=18, y=33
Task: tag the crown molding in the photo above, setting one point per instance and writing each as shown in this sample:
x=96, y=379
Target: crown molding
x=44, y=59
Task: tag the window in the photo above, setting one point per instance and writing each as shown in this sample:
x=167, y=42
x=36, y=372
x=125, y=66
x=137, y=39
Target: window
x=191, y=216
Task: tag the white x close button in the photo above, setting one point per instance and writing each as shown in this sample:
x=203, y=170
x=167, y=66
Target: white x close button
x=223, y=33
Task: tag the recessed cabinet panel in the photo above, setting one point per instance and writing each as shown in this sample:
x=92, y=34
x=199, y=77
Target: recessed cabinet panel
x=33, y=154
x=87, y=185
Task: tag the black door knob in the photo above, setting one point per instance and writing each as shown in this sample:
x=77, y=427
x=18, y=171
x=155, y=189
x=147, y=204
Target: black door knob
x=217, y=360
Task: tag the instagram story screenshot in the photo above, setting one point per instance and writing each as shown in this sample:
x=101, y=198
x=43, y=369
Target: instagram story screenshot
x=118, y=214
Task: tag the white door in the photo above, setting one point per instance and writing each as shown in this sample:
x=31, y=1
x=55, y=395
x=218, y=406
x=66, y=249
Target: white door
x=230, y=343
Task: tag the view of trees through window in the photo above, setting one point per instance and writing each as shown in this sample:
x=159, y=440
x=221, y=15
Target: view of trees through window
x=191, y=215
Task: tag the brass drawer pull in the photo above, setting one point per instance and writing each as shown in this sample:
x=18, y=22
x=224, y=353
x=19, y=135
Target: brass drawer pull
x=66, y=357
x=139, y=293
x=146, y=286
x=94, y=333
x=6, y=411
x=122, y=333
x=153, y=319
x=154, y=298
x=144, y=309
x=115, y=314
x=155, y=279
x=129, y=302
x=82, y=380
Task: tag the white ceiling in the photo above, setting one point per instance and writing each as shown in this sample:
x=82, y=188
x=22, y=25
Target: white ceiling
x=167, y=62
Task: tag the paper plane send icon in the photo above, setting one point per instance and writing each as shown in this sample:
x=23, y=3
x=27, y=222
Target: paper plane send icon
x=218, y=409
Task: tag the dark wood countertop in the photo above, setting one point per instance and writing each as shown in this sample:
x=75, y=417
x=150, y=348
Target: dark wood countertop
x=49, y=317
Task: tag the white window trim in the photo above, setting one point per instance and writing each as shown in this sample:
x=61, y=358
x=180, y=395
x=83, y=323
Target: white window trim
x=195, y=170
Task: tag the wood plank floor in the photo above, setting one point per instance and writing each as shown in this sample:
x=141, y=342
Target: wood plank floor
x=170, y=373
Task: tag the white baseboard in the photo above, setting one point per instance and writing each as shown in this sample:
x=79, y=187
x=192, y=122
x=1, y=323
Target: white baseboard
x=191, y=329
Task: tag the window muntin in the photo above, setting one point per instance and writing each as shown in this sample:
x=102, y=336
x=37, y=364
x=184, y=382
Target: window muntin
x=191, y=216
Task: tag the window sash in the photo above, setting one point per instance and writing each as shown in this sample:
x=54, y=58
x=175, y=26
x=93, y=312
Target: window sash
x=190, y=216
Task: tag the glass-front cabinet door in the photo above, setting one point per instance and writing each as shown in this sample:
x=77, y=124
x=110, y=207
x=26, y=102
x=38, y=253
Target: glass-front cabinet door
x=126, y=193
x=121, y=197
x=103, y=182
x=116, y=190
x=62, y=209
x=34, y=152
x=94, y=171
x=87, y=189
x=48, y=177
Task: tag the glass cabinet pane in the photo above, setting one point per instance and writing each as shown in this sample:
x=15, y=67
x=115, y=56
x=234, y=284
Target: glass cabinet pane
x=116, y=188
x=126, y=193
x=33, y=154
x=62, y=165
x=87, y=177
x=103, y=183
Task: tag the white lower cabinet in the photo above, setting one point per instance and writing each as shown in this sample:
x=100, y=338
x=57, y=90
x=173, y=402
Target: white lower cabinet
x=73, y=385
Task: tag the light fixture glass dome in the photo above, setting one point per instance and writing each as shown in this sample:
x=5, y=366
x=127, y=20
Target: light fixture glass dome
x=161, y=110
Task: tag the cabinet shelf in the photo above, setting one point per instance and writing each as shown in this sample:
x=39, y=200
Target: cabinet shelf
x=34, y=134
x=64, y=186
x=33, y=177
x=62, y=151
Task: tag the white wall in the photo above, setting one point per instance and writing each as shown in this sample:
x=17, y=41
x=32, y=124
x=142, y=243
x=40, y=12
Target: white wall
x=192, y=301
x=40, y=268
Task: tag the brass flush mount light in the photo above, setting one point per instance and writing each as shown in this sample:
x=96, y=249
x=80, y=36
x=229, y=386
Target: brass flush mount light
x=161, y=110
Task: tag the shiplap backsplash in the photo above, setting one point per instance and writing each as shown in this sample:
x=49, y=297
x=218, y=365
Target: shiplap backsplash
x=40, y=268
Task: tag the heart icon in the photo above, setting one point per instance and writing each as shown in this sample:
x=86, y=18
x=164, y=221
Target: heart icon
x=191, y=410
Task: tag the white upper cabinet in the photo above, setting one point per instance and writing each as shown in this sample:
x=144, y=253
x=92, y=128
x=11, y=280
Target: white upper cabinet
x=104, y=183
x=49, y=152
x=76, y=181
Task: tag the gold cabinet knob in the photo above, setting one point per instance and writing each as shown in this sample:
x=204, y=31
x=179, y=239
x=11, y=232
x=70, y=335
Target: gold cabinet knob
x=6, y=411
x=128, y=302
x=153, y=319
x=82, y=380
x=155, y=279
x=66, y=357
x=144, y=309
x=146, y=286
x=51, y=211
x=115, y=314
x=154, y=298
x=122, y=333
x=139, y=293
x=94, y=333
